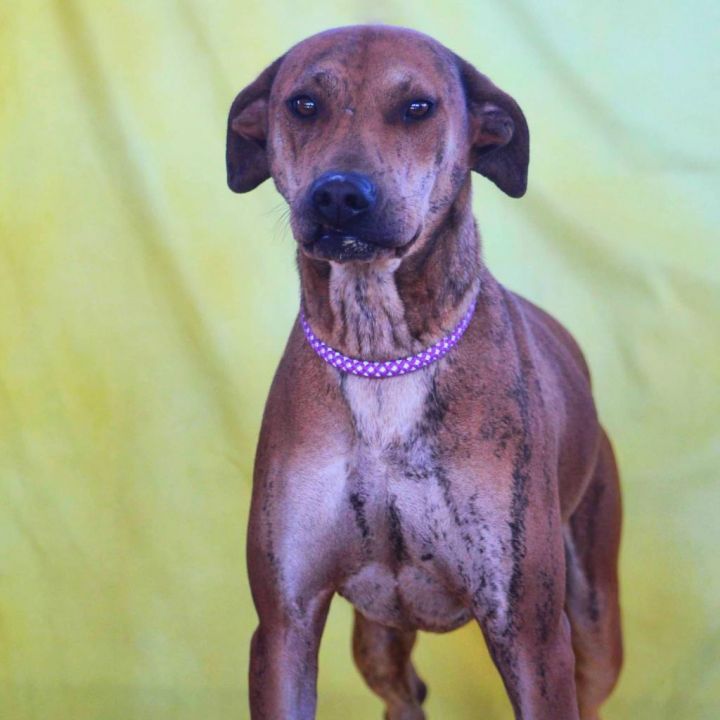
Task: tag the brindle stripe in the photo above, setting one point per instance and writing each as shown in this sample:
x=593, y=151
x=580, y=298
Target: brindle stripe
x=357, y=502
x=520, y=494
x=397, y=541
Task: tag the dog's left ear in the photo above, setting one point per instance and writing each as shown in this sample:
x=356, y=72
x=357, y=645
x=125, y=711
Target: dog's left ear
x=245, y=152
x=500, y=140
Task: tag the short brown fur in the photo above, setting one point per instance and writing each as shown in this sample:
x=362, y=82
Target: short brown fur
x=482, y=487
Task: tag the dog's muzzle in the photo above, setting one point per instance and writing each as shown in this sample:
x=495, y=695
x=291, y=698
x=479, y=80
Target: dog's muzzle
x=346, y=223
x=341, y=203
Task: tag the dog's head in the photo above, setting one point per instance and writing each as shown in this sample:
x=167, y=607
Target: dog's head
x=369, y=133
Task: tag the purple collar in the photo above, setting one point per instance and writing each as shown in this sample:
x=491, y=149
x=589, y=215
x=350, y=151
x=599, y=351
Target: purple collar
x=388, y=368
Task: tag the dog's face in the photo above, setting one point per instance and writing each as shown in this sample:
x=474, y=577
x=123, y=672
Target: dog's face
x=369, y=133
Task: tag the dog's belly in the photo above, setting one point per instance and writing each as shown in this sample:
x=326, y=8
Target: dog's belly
x=408, y=598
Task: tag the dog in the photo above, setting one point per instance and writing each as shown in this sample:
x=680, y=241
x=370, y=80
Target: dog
x=430, y=449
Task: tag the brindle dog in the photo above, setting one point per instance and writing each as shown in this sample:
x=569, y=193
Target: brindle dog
x=480, y=487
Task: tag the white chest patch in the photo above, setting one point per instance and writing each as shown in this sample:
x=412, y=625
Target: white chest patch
x=404, y=539
x=386, y=411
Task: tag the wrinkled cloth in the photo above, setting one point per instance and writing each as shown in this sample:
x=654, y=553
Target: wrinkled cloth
x=143, y=309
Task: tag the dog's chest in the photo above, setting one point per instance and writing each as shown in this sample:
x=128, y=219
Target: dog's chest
x=395, y=503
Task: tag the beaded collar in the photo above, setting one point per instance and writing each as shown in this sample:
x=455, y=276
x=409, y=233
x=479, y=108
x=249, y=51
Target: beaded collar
x=387, y=368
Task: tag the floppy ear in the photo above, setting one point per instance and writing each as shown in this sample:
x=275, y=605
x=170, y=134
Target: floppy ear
x=245, y=154
x=499, y=133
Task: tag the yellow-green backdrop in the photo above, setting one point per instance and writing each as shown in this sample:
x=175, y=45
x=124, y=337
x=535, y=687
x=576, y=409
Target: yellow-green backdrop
x=143, y=308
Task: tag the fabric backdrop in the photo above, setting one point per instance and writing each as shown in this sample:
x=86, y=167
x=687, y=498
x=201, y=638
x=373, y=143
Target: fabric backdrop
x=143, y=308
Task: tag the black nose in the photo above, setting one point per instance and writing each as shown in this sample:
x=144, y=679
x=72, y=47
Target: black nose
x=340, y=197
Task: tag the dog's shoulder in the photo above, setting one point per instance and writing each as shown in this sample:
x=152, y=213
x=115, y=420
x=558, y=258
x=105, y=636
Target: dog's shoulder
x=563, y=377
x=553, y=338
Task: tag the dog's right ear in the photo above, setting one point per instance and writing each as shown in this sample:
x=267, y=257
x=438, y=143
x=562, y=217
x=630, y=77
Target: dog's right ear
x=245, y=152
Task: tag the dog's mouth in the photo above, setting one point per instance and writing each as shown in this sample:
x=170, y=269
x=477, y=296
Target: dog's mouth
x=341, y=246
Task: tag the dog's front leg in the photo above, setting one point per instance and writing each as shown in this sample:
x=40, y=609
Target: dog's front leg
x=284, y=660
x=292, y=595
x=292, y=568
x=528, y=632
x=540, y=680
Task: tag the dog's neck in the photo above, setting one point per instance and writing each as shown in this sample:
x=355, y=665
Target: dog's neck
x=392, y=308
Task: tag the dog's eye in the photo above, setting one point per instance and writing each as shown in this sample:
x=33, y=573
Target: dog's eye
x=303, y=106
x=418, y=109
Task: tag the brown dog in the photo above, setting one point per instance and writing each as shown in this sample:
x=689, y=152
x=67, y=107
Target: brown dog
x=478, y=487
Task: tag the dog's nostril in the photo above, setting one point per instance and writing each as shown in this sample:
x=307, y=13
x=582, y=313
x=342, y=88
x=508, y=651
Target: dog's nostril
x=323, y=198
x=355, y=202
